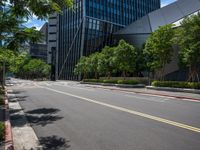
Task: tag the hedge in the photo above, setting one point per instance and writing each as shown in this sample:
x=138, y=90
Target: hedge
x=132, y=82
x=176, y=84
x=2, y=131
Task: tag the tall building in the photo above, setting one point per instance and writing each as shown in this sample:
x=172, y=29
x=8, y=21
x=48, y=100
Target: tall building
x=88, y=28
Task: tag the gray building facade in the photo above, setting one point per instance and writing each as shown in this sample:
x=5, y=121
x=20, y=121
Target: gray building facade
x=88, y=28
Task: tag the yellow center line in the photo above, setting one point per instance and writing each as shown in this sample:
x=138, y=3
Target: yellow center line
x=173, y=123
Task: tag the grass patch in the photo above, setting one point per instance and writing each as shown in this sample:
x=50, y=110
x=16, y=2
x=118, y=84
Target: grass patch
x=2, y=131
x=176, y=84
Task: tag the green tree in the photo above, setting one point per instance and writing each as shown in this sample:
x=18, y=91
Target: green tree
x=125, y=58
x=82, y=67
x=36, y=69
x=106, y=64
x=140, y=62
x=6, y=58
x=12, y=33
x=189, y=42
x=158, y=49
x=93, y=63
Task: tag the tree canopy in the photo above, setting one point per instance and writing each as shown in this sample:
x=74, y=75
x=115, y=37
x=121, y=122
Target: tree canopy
x=159, y=48
x=189, y=42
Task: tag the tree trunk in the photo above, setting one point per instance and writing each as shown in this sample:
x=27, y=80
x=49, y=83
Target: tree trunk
x=124, y=74
x=96, y=75
x=109, y=74
x=193, y=73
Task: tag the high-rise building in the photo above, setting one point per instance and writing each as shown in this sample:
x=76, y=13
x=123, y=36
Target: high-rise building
x=89, y=26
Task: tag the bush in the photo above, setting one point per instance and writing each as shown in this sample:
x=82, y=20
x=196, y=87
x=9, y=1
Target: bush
x=2, y=131
x=110, y=81
x=176, y=84
x=92, y=80
x=132, y=82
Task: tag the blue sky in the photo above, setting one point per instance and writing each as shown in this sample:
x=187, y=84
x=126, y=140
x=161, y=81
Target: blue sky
x=38, y=23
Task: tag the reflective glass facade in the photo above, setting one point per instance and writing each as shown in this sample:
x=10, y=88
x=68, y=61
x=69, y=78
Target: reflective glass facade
x=89, y=27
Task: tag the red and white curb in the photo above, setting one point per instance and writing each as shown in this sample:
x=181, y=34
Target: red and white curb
x=9, y=145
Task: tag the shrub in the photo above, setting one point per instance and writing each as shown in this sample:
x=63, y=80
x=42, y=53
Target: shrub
x=176, y=84
x=133, y=82
x=110, y=81
x=2, y=131
x=92, y=80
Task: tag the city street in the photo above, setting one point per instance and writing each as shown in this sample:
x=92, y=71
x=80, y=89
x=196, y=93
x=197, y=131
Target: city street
x=69, y=115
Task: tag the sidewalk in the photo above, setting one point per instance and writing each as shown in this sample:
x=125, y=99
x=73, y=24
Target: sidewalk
x=178, y=95
x=23, y=135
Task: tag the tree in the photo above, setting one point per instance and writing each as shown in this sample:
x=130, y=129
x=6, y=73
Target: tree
x=140, y=62
x=93, y=63
x=6, y=58
x=106, y=64
x=125, y=57
x=16, y=12
x=39, y=8
x=189, y=42
x=158, y=49
x=36, y=69
x=82, y=67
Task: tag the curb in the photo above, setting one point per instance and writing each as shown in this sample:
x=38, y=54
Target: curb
x=154, y=94
x=9, y=145
x=194, y=91
x=116, y=85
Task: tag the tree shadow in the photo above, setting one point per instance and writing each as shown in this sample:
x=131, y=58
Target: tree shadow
x=40, y=116
x=54, y=143
x=16, y=92
x=43, y=111
x=17, y=98
x=12, y=111
x=42, y=120
x=43, y=116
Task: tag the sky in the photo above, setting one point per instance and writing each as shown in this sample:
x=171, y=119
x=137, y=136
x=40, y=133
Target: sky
x=38, y=23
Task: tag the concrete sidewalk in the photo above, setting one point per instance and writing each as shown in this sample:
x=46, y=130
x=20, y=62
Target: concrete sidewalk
x=24, y=136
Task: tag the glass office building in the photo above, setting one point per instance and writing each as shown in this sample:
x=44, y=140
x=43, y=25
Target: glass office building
x=89, y=27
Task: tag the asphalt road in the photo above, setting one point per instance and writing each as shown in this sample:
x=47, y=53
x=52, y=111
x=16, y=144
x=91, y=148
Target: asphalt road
x=67, y=115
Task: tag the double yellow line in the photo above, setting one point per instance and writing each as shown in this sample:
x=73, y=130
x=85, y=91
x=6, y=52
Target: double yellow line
x=158, y=119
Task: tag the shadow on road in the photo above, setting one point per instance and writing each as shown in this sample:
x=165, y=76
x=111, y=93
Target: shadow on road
x=16, y=95
x=54, y=143
x=43, y=111
x=41, y=116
